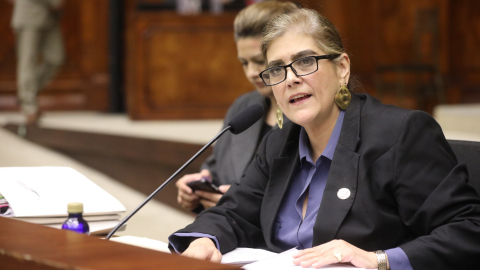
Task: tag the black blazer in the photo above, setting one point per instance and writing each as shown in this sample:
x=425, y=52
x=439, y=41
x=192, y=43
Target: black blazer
x=232, y=153
x=407, y=190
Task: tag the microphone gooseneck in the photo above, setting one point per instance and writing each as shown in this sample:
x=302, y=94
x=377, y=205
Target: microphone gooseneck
x=238, y=124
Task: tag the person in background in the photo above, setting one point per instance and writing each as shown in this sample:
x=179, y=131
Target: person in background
x=232, y=153
x=40, y=49
x=349, y=179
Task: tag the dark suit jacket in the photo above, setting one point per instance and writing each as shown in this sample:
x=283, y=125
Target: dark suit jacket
x=232, y=153
x=407, y=190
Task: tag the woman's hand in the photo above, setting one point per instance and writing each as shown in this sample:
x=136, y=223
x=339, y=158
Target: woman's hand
x=186, y=198
x=209, y=199
x=333, y=252
x=203, y=249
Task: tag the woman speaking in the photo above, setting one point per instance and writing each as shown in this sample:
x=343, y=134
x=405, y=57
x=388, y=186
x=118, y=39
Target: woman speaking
x=232, y=153
x=348, y=179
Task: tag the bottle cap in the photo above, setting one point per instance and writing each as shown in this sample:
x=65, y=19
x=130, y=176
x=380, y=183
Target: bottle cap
x=74, y=208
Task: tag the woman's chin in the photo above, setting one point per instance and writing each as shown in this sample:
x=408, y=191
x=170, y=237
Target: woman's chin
x=301, y=119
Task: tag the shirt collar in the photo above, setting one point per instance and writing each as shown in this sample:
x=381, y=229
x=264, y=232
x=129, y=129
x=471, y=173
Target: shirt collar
x=304, y=151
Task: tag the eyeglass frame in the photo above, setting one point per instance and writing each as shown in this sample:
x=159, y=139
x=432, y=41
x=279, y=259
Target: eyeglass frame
x=317, y=57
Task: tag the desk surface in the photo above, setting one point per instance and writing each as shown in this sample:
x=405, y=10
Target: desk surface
x=30, y=246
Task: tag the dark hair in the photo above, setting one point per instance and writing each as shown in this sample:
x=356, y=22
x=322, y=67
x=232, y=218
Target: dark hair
x=251, y=20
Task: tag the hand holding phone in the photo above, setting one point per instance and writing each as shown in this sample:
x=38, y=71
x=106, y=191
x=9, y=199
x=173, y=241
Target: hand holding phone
x=204, y=185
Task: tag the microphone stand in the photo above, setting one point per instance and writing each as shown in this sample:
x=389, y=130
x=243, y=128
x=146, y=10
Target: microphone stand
x=124, y=220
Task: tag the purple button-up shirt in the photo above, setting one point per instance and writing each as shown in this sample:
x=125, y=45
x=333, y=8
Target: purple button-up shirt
x=289, y=229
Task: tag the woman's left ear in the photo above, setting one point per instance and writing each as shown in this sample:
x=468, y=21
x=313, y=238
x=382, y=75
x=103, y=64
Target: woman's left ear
x=343, y=68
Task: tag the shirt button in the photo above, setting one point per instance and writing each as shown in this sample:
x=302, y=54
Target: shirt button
x=343, y=193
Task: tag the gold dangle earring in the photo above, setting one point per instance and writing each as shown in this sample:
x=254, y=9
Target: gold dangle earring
x=343, y=97
x=279, y=117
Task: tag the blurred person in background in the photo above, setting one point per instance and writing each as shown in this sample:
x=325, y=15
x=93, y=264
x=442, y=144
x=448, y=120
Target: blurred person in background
x=40, y=49
x=232, y=153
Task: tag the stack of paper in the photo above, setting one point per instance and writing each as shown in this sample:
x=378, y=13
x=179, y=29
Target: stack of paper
x=284, y=261
x=248, y=258
x=142, y=242
x=243, y=256
x=41, y=195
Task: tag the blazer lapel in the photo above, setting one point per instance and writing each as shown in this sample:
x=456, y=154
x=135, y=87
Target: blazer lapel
x=342, y=175
x=244, y=144
x=281, y=174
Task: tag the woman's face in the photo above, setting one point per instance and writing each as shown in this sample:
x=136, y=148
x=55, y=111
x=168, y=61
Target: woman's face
x=250, y=56
x=307, y=100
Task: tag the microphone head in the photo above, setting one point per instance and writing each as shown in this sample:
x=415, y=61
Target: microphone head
x=246, y=118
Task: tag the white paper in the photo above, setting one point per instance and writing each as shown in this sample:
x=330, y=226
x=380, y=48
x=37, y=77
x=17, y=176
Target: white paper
x=46, y=191
x=142, y=242
x=241, y=256
x=104, y=227
x=284, y=261
x=56, y=220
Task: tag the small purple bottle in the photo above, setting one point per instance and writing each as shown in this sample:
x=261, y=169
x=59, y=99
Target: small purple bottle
x=75, y=221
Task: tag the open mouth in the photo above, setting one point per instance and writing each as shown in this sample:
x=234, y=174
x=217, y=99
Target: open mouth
x=299, y=98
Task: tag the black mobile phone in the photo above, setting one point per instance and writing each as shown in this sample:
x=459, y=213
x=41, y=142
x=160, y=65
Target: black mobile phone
x=204, y=185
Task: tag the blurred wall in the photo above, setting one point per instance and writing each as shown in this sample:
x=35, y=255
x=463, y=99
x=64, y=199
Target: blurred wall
x=82, y=83
x=185, y=67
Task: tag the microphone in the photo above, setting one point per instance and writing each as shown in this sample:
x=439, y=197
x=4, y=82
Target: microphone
x=246, y=119
x=238, y=124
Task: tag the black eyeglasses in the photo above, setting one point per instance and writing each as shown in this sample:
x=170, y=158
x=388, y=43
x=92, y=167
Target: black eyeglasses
x=301, y=67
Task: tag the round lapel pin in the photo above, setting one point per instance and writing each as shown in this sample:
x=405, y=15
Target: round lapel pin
x=343, y=193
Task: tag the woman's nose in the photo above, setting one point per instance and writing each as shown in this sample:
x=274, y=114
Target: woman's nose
x=252, y=71
x=291, y=77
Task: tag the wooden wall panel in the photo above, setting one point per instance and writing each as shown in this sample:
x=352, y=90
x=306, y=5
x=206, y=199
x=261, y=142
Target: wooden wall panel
x=7, y=50
x=396, y=23
x=355, y=20
x=464, y=53
x=375, y=33
x=381, y=33
x=182, y=66
x=185, y=66
x=83, y=80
